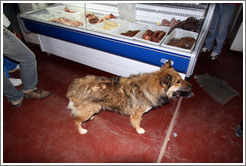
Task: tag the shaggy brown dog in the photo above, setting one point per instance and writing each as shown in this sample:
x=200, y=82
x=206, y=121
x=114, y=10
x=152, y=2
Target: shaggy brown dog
x=132, y=96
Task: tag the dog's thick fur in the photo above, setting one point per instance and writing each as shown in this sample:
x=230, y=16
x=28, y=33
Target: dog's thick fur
x=131, y=96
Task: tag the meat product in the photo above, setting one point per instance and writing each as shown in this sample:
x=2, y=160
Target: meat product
x=177, y=22
x=165, y=22
x=93, y=20
x=173, y=42
x=190, y=24
x=149, y=32
x=153, y=36
x=107, y=17
x=66, y=21
x=155, y=39
x=147, y=37
x=130, y=33
x=189, y=40
x=161, y=35
x=69, y=11
x=90, y=15
x=172, y=23
x=112, y=16
x=185, y=42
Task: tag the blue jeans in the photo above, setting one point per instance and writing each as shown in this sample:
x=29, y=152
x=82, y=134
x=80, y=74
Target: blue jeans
x=222, y=18
x=16, y=50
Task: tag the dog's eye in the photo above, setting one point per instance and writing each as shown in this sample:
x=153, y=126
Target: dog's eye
x=178, y=81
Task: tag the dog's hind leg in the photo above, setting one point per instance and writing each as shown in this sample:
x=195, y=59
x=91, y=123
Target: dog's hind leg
x=78, y=122
x=84, y=116
x=135, y=121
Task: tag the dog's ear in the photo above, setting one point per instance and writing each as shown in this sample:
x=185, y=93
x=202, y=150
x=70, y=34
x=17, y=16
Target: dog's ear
x=167, y=65
x=166, y=80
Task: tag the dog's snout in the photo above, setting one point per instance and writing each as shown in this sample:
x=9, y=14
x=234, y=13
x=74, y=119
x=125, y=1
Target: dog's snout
x=188, y=85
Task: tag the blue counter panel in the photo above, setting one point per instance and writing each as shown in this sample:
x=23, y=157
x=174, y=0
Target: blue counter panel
x=126, y=49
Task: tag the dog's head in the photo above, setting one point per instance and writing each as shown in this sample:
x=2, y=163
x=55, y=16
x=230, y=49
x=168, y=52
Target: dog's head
x=173, y=82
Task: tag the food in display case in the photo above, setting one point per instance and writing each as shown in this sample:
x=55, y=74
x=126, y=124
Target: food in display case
x=181, y=40
x=69, y=11
x=66, y=21
x=128, y=30
x=154, y=36
x=130, y=33
x=171, y=23
x=184, y=42
x=107, y=17
x=93, y=19
x=108, y=25
x=190, y=24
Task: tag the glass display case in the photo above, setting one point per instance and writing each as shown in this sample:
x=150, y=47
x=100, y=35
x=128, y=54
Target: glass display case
x=125, y=38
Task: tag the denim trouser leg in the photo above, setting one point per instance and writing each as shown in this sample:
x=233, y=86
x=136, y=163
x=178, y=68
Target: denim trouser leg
x=14, y=49
x=226, y=16
x=213, y=28
x=10, y=91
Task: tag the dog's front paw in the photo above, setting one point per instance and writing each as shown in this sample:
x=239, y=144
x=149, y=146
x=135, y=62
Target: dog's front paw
x=140, y=131
x=82, y=131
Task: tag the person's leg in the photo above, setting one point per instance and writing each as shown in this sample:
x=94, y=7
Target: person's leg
x=227, y=14
x=209, y=42
x=13, y=95
x=13, y=48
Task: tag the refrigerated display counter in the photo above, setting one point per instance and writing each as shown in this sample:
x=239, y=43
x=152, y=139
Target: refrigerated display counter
x=94, y=34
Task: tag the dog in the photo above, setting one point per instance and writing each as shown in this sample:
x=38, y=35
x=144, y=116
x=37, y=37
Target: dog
x=134, y=95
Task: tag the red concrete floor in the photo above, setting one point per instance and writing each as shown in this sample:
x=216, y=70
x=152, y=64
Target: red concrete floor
x=42, y=131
